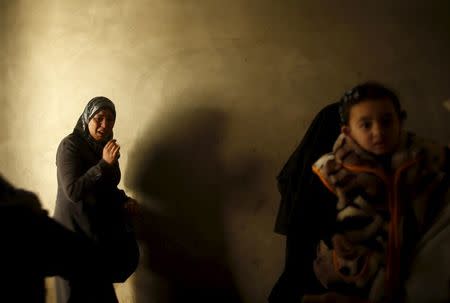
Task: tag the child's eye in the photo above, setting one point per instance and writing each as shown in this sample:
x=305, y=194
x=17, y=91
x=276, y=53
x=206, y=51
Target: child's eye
x=366, y=125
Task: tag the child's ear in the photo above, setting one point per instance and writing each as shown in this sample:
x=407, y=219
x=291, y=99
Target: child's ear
x=345, y=130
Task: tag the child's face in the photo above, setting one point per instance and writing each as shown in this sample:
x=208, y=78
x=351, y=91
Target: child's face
x=374, y=125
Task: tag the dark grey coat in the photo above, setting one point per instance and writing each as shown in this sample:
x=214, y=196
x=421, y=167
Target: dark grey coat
x=89, y=203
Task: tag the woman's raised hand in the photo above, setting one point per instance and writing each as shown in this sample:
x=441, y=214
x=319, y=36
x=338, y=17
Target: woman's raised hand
x=111, y=151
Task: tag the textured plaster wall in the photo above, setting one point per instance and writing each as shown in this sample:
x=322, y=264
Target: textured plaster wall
x=212, y=97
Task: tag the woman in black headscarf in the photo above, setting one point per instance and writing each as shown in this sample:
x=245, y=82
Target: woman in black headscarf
x=299, y=217
x=89, y=202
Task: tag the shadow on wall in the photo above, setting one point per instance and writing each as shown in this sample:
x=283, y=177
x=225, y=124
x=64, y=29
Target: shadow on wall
x=181, y=229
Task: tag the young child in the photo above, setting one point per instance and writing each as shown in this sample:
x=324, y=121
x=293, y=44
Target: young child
x=389, y=184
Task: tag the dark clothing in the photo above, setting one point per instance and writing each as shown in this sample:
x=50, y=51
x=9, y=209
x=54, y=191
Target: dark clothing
x=90, y=204
x=88, y=200
x=313, y=222
x=300, y=217
x=296, y=173
x=34, y=246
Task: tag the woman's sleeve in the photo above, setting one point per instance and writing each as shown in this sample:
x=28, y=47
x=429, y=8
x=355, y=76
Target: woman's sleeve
x=75, y=182
x=121, y=196
x=115, y=177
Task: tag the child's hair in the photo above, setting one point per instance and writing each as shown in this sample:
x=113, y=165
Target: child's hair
x=368, y=90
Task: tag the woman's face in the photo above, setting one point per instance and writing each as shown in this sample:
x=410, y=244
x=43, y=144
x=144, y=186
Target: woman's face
x=101, y=124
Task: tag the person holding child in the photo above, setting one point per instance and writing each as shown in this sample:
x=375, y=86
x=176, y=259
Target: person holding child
x=385, y=207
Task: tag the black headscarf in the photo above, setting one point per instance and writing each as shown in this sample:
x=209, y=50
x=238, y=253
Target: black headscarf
x=94, y=105
x=295, y=178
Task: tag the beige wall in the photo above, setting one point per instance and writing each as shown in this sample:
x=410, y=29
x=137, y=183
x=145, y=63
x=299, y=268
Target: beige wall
x=212, y=97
